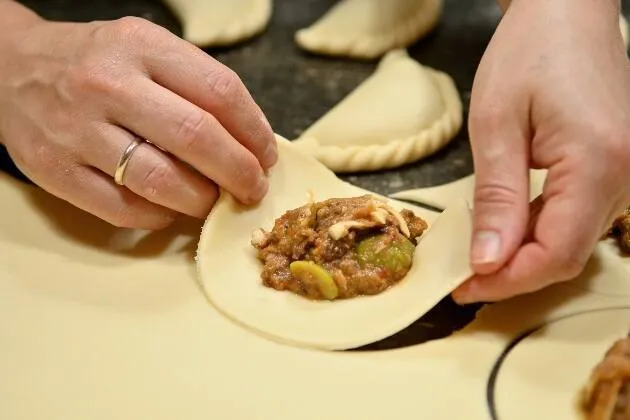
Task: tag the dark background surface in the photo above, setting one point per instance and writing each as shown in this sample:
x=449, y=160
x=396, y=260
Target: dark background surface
x=294, y=89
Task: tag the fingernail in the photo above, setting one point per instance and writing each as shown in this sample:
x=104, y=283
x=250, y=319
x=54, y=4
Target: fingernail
x=463, y=295
x=486, y=247
x=270, y=156
x=262, y=186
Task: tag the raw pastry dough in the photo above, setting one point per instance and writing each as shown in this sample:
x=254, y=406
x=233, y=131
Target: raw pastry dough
x=607, y=259
x=542, y=377
x=367, y=29
x=213, y=23
x=400, y=114
x=89, y=304
x=230, y=273
x=441, y=195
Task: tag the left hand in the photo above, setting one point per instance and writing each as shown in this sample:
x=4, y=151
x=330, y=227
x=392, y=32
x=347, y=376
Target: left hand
x=552, y=91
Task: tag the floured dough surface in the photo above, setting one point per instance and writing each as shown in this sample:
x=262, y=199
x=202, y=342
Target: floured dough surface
x=403, y=112
x=543, y=375
x=213, y=23
x=441, y=195
x=230, y=272
x=367, y=29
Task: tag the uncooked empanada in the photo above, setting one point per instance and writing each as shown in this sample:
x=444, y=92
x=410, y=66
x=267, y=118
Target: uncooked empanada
x=441, y=195
x=229, y=271
x=400, y=114
x=369, y=28
x=212, y=23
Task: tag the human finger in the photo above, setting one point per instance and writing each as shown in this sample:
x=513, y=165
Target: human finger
x=214, y=88
x=567, y=229
x=151, y=173
x=97, y=194
x=500, y=153
x=192, y=135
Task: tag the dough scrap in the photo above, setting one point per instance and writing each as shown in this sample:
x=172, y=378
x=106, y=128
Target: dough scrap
x=230, y=273
x=441, y=195
x=402, y=113
x=214, y=23
x=367, y=29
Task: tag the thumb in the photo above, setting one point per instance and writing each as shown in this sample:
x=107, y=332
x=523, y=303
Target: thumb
x=501, y=199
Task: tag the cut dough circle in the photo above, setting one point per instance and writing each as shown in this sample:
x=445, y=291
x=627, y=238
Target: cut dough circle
x=214, y=23
x=441, y=195
x=403, y=112
x=367, y=29
x=542, y=376
x=229, y=271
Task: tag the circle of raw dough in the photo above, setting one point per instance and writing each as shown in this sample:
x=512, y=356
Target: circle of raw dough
x=541, y=374
x=606, y=257
x=229, y=271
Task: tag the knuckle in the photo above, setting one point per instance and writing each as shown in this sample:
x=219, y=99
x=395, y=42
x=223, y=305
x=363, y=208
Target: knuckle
x=496, y=194
x=617, y=145
x=486, y=117
x=138, y=216
x=568, y=264
x=248, y=172
x=125, y=216
x=94, y=78
x=129, y=26
x=224, y=84
x=191, y=130
x=155, y=180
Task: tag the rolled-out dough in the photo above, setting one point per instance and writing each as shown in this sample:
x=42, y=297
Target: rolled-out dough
x=213, y=23
x=542, y=377
x=89, y=304
x=367, y=29
x=230, y=273
x=403, y=112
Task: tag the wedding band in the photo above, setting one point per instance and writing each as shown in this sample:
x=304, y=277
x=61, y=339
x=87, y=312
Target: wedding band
x=121, y=167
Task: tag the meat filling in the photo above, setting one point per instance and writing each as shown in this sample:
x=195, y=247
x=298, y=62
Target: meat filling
x=607, y=396
x=620, y=230
x=339, y=248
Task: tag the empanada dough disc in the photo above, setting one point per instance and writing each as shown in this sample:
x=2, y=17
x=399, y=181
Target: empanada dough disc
x=403, y=112
x=214, y=23
x=543, y=375
x=367, y=29
x=441, y=195
x=230, y=273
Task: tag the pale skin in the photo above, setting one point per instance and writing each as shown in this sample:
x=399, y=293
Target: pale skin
x=552, y=91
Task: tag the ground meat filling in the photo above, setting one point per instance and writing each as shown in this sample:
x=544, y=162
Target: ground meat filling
x=620, y=230
x=339, y=248
x=607, y=396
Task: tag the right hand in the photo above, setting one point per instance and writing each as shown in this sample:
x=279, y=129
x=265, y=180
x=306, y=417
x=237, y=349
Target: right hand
x=73, y=96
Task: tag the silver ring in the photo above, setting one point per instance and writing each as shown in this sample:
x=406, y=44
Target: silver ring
x=121, y=167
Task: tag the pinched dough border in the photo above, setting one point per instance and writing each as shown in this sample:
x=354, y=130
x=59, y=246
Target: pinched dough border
x=396, y=152
x=370, y=47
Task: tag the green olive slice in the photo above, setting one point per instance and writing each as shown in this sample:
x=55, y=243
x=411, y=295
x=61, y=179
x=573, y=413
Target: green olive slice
x=395, y=256
x=310, y=272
